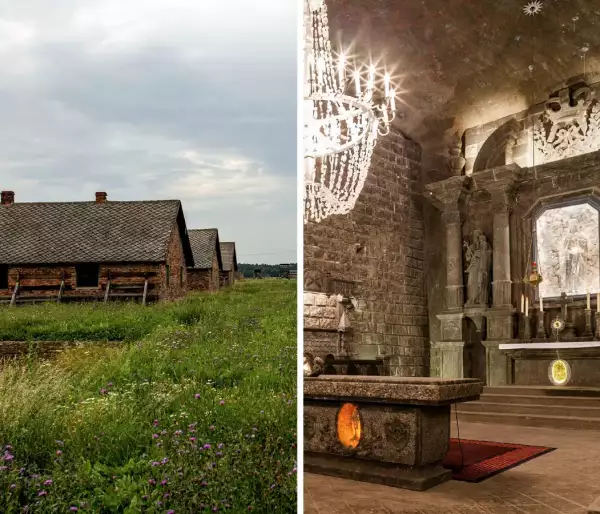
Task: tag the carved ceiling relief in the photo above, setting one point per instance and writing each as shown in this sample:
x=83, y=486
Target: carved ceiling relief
x=569, y=126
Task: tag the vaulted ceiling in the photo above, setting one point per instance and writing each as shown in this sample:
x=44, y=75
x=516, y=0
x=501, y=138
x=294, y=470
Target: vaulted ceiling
x=460, y=63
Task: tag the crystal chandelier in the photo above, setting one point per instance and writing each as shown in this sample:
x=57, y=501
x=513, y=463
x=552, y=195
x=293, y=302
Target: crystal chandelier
x=344, y=115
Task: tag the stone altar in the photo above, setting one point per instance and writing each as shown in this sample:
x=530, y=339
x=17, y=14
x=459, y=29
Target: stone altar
x=389, y=430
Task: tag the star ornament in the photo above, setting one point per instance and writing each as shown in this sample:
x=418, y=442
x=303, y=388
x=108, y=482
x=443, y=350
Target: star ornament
x=533, y=8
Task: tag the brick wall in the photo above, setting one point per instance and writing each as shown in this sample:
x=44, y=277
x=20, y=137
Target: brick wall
x=379, y=246
x=226, y=278
x=176, y=262
x=205, y=279
x=44, y=281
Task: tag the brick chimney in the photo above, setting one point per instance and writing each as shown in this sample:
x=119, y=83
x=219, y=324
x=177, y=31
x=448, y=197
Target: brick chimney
x=7, y=198
x=101, y=197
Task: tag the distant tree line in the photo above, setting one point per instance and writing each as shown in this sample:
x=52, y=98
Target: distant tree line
x=268, y=270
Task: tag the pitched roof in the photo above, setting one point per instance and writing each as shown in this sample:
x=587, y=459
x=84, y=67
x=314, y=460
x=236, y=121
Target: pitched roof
x=229, y=257
x=71, y=232
x=205, y=242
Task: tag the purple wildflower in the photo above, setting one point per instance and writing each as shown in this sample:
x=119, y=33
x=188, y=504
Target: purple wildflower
x=152, y=481
x=13, y=486
x=212, y=427
x=8, y=457
x=73, y=509
x=42, y=493
x=222, y=402
x=103, y=391
x=164, y=482
x=197, y=396
x=48, y=482
x=155, y=422
x=207, y=446
x=154, y=436
x=220, y=445
x=59, y=452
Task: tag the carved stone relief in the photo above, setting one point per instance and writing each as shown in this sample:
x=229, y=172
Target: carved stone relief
x=569, y=126
x=568, y=250
x=456, y=160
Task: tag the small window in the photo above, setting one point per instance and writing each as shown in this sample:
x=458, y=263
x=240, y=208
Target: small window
x=181, y=276
x=168, y=272
x=87, y=274
x=3, y=276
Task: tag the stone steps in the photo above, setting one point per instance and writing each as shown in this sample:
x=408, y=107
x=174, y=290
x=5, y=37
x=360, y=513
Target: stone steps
x=558, y=401
x=548, y=407
x=531, y=408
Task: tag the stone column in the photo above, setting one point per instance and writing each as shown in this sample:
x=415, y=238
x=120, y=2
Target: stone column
x=501, y=286
x=454, y=271
x=500, y=182
x=448, y=353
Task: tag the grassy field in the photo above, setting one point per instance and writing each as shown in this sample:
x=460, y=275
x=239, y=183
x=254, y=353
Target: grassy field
x=196, y=412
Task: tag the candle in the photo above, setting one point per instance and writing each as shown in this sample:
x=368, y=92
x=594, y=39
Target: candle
x=541, y=304
x=387, y=84
x=522, y=303
x=341, y=69
x=357, y=82
x=393, y=99
x=598, y=302
x=526, y=307
x=588, y=301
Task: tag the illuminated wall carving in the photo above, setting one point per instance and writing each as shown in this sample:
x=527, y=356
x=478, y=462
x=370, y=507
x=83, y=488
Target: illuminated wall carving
x=568, y=250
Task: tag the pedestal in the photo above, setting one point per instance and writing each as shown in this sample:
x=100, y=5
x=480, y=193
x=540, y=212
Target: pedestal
x=588, y=323
x=541, y=329
x=526, y=328
x=387, y=430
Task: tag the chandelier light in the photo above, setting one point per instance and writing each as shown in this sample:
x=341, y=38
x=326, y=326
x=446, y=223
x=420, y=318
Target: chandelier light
x=346, y=109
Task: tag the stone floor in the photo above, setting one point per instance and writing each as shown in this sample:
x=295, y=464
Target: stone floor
x=565, y=481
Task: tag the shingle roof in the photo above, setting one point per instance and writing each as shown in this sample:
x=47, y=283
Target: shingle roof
x=53, y=233
x=229, y=257
x=205, y=242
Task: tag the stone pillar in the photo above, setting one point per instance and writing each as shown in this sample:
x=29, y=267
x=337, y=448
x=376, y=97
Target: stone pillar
x=448, y=353
x=501, y=286
x=454, y=271
x=500, y=182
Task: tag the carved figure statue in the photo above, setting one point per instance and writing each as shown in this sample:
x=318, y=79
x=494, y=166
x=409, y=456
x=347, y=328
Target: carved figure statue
x=456, y=160
x=478, y=256
x=575, y=254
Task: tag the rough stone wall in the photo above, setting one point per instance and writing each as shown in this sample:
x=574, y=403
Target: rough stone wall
x=320, y=323
x=379, y=246
x=176, y=260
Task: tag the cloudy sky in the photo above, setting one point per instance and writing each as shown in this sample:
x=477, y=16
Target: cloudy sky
x=181, y=99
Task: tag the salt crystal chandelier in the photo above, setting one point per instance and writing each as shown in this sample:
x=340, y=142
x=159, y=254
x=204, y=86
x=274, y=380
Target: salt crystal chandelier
x=344, y=114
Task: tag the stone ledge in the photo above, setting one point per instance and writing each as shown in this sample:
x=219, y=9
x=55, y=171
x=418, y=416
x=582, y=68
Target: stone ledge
x=393, y=390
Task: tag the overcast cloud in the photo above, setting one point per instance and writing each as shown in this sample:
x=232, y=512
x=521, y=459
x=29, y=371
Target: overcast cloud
x=187, y=99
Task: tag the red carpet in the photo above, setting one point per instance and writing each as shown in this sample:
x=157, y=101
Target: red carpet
x=482, y=459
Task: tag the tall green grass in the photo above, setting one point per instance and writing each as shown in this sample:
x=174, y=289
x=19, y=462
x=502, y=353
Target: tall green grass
x=196, y=412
